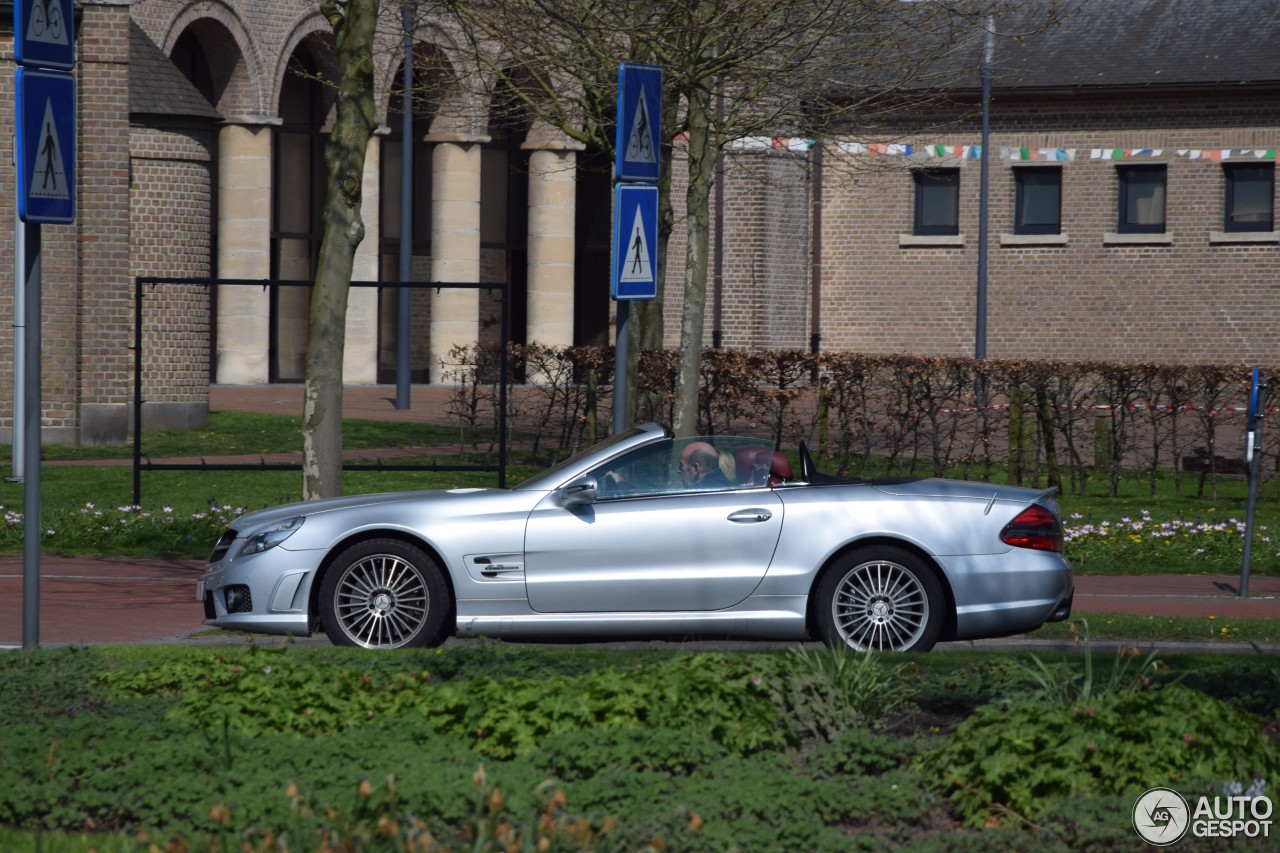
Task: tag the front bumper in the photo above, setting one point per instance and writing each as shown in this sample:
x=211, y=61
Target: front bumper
x=267, y=593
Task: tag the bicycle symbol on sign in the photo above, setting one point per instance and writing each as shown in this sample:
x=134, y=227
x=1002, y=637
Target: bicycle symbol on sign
x=47, y=15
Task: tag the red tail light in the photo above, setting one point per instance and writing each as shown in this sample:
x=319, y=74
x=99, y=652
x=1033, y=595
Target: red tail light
x=1035, y=527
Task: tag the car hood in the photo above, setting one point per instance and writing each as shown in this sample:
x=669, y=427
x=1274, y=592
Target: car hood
x=266, y=517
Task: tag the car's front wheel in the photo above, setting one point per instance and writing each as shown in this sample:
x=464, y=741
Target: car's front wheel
x=384, y=594
x=880, y=599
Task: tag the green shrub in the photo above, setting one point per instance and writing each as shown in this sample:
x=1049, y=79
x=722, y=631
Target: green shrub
x=725, y=696
x=575, y=755
x=49, y=683
x=271, y=690
x=1074, y=681
x=870, y=688
x=1025, y=757
x=732, y=698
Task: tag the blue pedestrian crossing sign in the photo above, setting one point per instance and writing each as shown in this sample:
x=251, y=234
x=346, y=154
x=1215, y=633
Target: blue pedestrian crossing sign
x=46, y=146
x=635, y=242
x=639, y=122
x=44, y=33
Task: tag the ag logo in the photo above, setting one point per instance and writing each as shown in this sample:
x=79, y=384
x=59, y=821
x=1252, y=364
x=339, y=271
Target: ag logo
x=1161, y=816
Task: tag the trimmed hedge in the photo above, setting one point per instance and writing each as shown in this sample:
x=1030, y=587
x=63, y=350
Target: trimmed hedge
x=1050, y=423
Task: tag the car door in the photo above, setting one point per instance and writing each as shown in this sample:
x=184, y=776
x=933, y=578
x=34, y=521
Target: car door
x=673, y=552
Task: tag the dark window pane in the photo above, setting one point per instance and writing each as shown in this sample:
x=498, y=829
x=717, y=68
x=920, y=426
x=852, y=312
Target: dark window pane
x=937, y=201
x=1250, y=197
x=1038, y=209
x=1142, y=194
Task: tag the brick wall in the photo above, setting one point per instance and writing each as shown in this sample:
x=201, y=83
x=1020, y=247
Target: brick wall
x=1190, y=300
x=95, y=308
x=170, y=215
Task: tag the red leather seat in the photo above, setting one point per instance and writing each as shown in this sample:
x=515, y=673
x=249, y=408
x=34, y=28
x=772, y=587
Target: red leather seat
x=758, y=467
x=753, y=465
x=779, y=468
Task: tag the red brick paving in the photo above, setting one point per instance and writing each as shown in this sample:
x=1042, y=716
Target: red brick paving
x=119, y=600
x=103, y=600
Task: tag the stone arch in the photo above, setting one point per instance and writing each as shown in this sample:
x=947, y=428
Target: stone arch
x=235, y=64
x=312, y=34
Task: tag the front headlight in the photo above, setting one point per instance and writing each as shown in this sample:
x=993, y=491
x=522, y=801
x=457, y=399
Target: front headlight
x=270, y=538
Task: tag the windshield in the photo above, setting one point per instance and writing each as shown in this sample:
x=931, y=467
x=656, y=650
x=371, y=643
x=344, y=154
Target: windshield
x=551, y=475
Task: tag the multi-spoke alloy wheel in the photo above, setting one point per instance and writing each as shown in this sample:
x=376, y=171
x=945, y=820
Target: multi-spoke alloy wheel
x=881, y=599
x=383, y=594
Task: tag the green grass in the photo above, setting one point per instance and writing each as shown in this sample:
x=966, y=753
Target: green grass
x=240, y=433
x=1155, y=629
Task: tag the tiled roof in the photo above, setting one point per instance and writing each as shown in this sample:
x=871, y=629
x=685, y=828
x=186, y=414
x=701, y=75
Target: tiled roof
x=1137, y=43
x=1047, y=45
x=157, y=87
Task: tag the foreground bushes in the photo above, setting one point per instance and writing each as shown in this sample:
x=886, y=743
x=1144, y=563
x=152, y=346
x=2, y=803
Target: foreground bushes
x=1056, y=423
x=494, y=748
x=1021, y=761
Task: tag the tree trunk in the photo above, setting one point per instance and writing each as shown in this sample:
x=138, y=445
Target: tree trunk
x=702, y=162
x=353, y=23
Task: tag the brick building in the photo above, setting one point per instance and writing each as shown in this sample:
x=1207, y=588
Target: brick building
x=1131, y=210
x=1132, y=163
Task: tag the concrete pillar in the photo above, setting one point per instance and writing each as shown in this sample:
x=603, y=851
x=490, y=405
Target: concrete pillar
x=552, y=183
x=360, y=363
x=244, y=251
x=455, y=248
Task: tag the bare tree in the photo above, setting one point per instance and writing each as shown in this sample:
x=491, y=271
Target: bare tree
x=732, y=69
x=354, y=23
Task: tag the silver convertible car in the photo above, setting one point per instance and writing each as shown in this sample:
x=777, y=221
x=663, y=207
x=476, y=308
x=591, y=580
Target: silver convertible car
x=646, y=535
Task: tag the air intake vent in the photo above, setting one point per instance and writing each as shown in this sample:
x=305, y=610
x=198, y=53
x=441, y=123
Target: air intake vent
x=224, y=545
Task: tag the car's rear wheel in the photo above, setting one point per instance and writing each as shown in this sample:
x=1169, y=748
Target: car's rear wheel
x=384, y=594
x=880, y=599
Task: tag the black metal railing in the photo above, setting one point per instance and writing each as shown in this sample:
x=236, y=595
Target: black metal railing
x=140, y=464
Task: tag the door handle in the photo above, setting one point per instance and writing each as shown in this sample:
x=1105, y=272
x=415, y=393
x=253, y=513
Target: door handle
x=750, y=516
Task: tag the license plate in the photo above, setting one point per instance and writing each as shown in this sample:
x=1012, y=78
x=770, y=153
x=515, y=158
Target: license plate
x=200, y=590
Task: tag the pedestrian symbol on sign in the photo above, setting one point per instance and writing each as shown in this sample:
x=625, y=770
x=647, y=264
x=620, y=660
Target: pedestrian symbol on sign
x=636, y=267
x=49, y=179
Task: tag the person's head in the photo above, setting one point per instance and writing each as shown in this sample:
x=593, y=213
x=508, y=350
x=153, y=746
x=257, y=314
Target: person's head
x=697, y=460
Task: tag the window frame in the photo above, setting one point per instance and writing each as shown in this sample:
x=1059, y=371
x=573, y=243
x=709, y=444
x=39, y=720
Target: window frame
x=952, y=181
x=1020, y=174
x=1123, y=175
x=1228, y=198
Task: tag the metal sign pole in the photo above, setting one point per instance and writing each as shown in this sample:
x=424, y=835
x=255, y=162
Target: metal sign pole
x=1254, y=459
x=31, y=522
x=403, y=305
x=44, y=48
x=621, y=372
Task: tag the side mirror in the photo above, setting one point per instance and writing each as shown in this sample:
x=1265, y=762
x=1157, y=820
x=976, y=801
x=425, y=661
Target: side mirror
x=579, y=492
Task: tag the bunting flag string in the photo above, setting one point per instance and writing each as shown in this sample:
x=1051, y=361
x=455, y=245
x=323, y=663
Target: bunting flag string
x=1008, y=153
